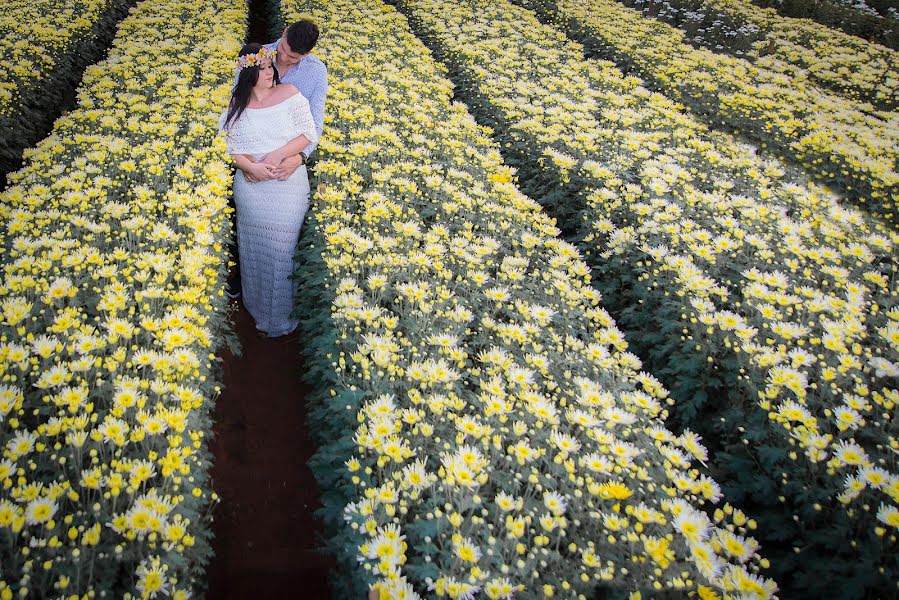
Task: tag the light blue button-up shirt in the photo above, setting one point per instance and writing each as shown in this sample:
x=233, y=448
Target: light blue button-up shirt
x=310, y=77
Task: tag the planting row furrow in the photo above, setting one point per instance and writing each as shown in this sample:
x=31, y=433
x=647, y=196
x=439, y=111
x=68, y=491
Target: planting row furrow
x=800, y=49
x=839, y=142
x=768, y=307
x=484, y=429
x=44, y=46
x=113, y=263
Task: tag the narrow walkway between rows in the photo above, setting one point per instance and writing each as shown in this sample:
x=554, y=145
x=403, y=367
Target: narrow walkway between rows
x=264, y=527
x=265, y=530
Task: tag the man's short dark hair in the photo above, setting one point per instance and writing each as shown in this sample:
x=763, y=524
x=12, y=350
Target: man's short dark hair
x=301, y=36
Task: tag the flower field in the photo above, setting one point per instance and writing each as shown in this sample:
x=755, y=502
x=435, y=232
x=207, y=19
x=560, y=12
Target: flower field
x=799, y=49
x=570, y=334
x=486, y=428
x=44, y=41
x=111, y=306
x=837, y=141
x=740, y=263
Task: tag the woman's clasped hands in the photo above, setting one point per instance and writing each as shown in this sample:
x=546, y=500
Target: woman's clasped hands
x=259, y=171
x=272, y=166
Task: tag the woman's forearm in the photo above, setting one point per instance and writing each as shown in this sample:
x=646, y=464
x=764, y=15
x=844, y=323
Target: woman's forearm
x=291, y=148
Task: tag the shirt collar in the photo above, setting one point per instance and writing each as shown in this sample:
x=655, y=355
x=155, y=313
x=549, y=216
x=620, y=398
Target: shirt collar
x=301, y=61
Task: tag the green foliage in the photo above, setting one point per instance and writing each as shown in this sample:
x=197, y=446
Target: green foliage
x=331, y=417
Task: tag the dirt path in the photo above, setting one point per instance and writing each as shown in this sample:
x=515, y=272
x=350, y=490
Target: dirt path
x=265, y=531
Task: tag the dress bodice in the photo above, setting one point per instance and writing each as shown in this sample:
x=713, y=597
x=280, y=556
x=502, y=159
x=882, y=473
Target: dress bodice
x=261, y=130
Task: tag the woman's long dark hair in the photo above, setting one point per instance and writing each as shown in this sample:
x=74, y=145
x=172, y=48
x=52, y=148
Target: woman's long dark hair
x=246, y=79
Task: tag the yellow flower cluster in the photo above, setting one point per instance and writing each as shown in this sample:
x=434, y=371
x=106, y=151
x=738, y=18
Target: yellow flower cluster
x=797, y=285
x=110, y=307
x=506, y=442
x=34, y=35
x=836, y=139
x=799, y=48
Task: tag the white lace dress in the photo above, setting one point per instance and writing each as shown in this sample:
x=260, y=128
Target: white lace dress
x=270, y=213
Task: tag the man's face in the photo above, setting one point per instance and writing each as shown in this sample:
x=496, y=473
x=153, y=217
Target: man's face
x=286, y=56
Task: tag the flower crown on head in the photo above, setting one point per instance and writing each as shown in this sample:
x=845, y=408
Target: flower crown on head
x=252, y=60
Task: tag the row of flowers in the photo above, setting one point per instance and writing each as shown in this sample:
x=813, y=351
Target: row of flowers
x=854, y=17
x=801, y=49
x=862, y=7
x=834, y=138
x=740, y=277
x=43, y=48
x=111, y=307
x=485, y=431
x=34, y=37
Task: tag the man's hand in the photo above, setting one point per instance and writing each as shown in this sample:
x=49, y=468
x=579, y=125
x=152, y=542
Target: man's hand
x=259, y=172
x=287, y=167
x=273, y=158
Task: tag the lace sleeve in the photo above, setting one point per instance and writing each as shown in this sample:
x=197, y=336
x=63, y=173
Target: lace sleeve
x=301, y=119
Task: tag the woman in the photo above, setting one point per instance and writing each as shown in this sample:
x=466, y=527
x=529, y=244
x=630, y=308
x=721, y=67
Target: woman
x=266, y=122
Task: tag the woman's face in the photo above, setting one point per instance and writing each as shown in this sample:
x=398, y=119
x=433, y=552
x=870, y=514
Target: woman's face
x=266, y=74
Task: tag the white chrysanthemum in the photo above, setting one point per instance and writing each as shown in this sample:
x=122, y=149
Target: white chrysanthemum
x=151, y=578
x=507, y=502
x=888, y=515
x=850, y=453
x=21, y=444
x=397, y=588
x=467, y=550
x=883, y=367
x=692, y=524
x=566, y=443
x=555, y=503
x=416, y=476
x=40, y=510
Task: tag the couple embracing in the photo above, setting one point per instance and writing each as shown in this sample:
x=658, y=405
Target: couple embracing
x=272, y=124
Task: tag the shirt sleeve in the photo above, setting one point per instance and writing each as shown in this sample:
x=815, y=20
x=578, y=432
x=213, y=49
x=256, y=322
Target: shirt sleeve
x=317, y=107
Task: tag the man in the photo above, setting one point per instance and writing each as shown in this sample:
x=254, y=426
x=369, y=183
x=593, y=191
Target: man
x=297, y=66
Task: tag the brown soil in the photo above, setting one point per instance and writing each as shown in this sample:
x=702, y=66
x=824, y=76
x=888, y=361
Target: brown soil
x=265, y=533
